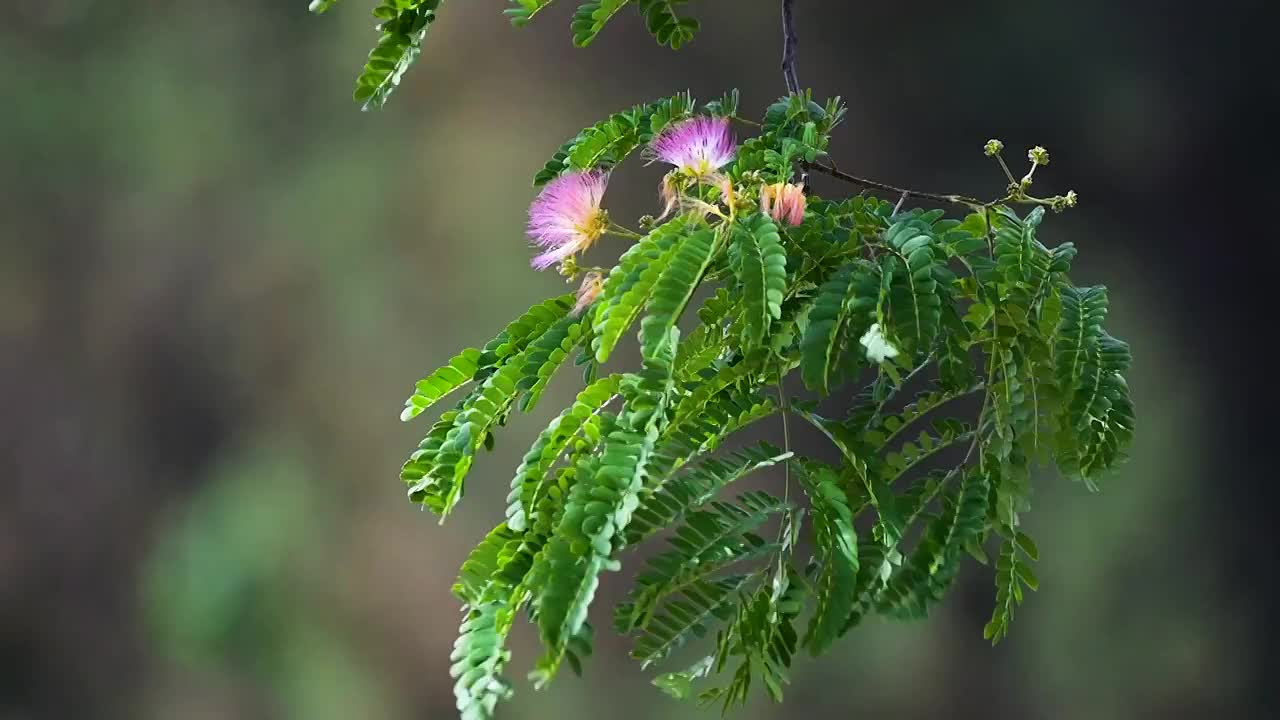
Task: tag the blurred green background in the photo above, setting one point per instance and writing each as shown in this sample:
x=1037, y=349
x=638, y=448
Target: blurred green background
x=219, y=280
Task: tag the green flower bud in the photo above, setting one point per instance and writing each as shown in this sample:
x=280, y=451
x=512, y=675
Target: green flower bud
x=1038, y=155
x=993, y=147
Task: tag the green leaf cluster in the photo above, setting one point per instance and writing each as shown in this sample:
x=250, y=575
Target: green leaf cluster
x=403, y=25
x=1000, y=362
x=609, y=142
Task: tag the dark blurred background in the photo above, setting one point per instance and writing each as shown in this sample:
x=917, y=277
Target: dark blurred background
x=218, y=281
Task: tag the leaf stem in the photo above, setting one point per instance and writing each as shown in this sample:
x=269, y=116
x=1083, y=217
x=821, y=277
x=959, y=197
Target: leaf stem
x=784, y=527
x=901, y=200
x=1016, y=193
x=875, y=418
x=841, y=175
x=616, y=229
x=964, y=393
x=1007, y=172
x=953, y=471
x=786, y=439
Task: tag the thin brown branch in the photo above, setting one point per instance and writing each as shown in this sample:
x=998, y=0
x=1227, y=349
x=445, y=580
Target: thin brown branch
x=789, y=43
x=936, y=197
x=901, y=200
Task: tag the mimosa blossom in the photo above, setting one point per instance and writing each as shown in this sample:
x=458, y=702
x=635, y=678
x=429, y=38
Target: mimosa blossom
x=673, y=199
x=669, y=194
x=566, y=218
x=698, y=147
x=592, y=286
x=784, y=202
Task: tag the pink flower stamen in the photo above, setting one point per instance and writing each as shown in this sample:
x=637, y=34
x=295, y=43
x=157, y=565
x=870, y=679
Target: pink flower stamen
x=592, y=286
x=698, y=146
x=784, y=202
x=566, y=218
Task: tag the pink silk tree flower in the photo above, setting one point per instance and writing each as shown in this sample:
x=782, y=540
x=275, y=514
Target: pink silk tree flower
x=698, y=146
x=566, y=218
x=784, y=202
x=727, y=195
x=592, y=286
x=669, y=194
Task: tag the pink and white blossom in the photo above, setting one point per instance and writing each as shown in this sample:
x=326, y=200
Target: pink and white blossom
x=784, y=202
x=698, y=147
x=566, y=218
x=592, y=286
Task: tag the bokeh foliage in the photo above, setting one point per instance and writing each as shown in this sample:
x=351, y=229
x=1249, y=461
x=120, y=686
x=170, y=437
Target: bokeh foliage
x=227, y=235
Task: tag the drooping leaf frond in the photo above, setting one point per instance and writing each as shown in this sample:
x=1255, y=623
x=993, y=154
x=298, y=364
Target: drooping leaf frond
x=631, y=283
x=524, y=10
x=524, y=330
x=483, y=564
x=598, y=510
x=696, y=486
x=705, y=345
x=481, y=413
x=546, y=354
x=579, y=423
x=687, y=617
x=875, y=566
x=842, y=311
x=762, y=274
x=1096, y=419
x=665, y=25
x=478, y=659
x=404, y=25
x=927, y=573
x=836, y=553
x=458, y=372
x=708, y=542
x=946, y=433
x=1012, y=575
x=914, y=304
x=764, y=637
x=591, y=18
x=672, y=291
x=437, y=471
x=727, y=413
x=423, y=460
x=713, y=382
